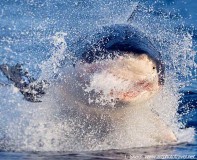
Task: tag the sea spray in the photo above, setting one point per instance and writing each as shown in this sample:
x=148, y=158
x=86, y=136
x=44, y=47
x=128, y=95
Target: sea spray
x=45, y=127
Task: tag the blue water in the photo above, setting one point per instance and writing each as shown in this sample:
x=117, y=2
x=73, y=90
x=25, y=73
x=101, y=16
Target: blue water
x=26, y=30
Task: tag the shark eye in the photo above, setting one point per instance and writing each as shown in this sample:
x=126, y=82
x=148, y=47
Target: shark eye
x=153, y=67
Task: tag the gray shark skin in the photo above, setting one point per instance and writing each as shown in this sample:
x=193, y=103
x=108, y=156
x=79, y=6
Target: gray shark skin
x=121, y=38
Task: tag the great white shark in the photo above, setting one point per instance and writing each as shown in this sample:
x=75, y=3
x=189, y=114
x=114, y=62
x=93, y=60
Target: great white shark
x=120, y=65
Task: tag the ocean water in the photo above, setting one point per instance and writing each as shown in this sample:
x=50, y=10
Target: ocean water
x=42, y=35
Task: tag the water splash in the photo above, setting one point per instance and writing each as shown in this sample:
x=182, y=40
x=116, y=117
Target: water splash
x=53, y=126
x=50, y=67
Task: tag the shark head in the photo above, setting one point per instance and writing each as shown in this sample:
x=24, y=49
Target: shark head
x=128, y=78
x=120, y=64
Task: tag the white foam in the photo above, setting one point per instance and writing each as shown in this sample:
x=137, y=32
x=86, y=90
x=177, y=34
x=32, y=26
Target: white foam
x=107, y=82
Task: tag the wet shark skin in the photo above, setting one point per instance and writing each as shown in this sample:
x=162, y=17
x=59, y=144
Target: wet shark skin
x=121, y=38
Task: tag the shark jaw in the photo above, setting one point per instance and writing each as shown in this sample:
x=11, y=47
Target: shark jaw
x=131, y=79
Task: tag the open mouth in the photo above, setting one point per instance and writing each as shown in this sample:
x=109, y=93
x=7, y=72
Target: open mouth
x=127, y=78
x=134, y=92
